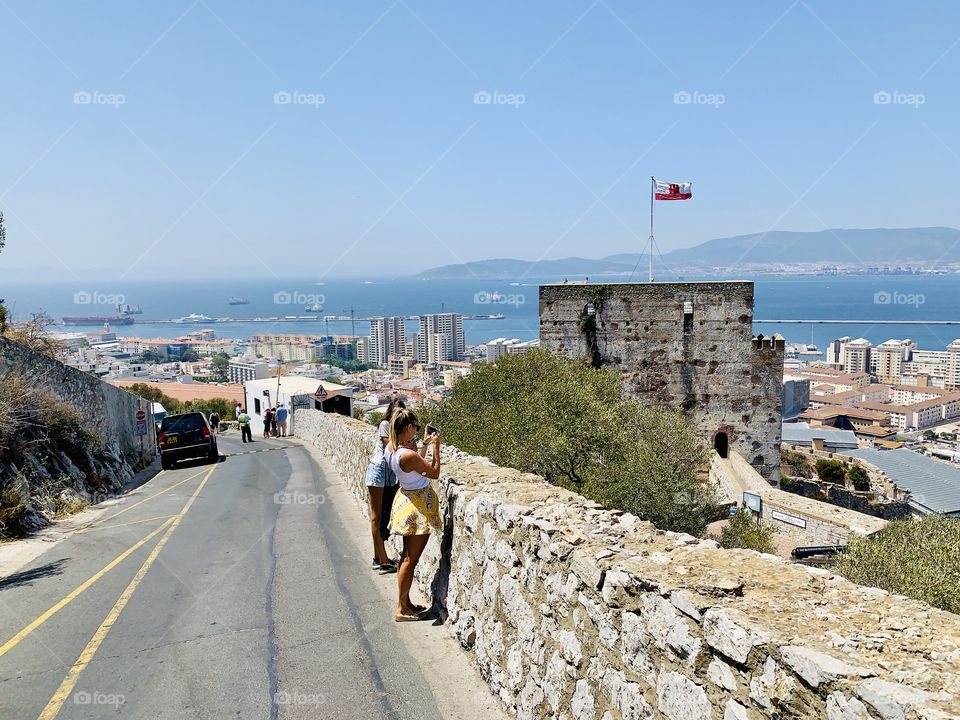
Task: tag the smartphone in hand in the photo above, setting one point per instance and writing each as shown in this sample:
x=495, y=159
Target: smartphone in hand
x=431, y=430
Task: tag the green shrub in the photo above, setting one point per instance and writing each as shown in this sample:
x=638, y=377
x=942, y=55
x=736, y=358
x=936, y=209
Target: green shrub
x=745, y=531
x=567, y=422
x=14, y=506
x=375, y=417
x=920, y=559
x=831, y=471
x=858, y=477
x=800, y=463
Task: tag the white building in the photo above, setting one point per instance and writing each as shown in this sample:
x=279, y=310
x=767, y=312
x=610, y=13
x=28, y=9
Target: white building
x=294, y=392
x=387, y=337
x=953, y=365
x=240, y=370
x=440, y=338
x=501, y=346
x=856, y=355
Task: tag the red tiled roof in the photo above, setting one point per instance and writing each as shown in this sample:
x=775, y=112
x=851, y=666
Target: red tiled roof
x=190, y=391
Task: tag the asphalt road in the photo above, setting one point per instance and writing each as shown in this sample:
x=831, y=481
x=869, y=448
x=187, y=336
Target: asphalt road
x=240, y=589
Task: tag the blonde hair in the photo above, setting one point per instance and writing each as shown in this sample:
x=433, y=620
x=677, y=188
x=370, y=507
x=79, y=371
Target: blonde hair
x=401, y=420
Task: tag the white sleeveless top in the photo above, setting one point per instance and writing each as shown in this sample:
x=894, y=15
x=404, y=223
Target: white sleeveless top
x=408, y=480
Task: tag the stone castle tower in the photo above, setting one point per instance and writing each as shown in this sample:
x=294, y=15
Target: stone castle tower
x=688, y=345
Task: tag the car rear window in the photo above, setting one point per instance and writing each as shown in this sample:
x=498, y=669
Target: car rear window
x=181, y=423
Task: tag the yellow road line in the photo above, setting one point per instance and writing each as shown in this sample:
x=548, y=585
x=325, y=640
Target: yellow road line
x=69, y=682
x=132, y=522
x=141, y=502
x=12, y=642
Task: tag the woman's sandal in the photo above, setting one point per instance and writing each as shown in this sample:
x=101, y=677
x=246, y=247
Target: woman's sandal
x=400, y=617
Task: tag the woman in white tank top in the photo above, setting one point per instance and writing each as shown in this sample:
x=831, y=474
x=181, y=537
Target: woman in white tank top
x=416, y=510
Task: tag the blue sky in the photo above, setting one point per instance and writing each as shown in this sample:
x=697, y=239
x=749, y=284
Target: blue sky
x=146, y=139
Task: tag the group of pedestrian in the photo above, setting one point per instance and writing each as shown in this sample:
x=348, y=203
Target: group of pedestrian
x=275, y=421
x=402, y=500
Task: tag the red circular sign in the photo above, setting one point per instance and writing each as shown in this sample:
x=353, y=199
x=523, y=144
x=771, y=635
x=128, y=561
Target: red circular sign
x=141, y=415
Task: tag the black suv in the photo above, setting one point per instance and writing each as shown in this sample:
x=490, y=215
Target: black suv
x=186, y=436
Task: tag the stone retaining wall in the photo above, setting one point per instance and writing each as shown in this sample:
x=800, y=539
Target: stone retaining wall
x=572, y=611
x=108, y=410
x=802, y=519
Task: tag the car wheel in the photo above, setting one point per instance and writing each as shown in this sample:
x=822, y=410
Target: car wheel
x=165, y=464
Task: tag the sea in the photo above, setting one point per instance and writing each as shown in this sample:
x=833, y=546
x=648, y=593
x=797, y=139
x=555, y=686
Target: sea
x=914, y=299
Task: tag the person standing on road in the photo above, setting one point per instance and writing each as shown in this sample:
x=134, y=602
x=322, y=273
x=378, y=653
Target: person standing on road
x=237, y=411
x=215, y=422
x=381, y=484
x=244, y=421
x=268, y=422
x=282, y=421
x=417, y=508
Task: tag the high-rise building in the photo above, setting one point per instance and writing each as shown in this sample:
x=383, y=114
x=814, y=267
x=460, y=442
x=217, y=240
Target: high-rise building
x=834, y=353
x=440, y=338
x=856, y=356
x=953, y=365
x=890, y=356
x=387, y=337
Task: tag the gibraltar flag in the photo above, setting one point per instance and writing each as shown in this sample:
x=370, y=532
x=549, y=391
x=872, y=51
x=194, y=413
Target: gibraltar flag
x=673, y=191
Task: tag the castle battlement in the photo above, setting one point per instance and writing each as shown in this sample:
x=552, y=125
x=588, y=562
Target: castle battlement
x=688, y=345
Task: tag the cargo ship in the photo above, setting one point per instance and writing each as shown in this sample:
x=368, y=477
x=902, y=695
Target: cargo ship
x=124, y=316
x=238, y=301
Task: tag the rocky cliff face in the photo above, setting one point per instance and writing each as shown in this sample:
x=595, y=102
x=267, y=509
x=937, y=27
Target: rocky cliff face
x=67, y=439
x=573, y=611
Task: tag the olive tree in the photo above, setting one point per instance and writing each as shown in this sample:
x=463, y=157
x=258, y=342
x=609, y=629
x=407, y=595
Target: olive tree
x=920, y=559
x=567, y=422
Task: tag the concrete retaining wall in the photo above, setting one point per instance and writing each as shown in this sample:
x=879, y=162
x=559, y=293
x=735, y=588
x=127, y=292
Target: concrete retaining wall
x=572, y=611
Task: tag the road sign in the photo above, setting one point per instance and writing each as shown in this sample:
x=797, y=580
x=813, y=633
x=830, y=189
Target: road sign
x=141, y=423
x=141, y=416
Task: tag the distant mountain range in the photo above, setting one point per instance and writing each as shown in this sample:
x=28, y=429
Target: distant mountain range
x=850, y=247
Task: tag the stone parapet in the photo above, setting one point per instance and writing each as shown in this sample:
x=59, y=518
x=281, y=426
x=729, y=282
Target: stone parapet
x=573, y=611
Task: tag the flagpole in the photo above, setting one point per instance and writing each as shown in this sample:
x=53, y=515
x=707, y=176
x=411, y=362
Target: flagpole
x=653, y=189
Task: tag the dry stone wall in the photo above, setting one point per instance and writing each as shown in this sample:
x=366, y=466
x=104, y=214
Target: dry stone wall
x=575, y=612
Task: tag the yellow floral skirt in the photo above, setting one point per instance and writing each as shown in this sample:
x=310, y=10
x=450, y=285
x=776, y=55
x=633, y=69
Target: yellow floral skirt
x=415, y=512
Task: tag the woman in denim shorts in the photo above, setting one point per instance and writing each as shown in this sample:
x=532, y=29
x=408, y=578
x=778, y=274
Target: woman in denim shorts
x=382, y=488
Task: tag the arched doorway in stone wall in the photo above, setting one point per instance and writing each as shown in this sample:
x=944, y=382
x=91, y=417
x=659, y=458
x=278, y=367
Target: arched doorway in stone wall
x=721, y=443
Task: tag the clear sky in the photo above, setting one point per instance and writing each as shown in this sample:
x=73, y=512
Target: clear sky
x=188, y=137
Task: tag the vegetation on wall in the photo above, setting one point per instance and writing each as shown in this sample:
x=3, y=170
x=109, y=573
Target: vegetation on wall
x=567, y=422
x=37, y=429
x=745, y=531
x=599, y=295
x=919, y=559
